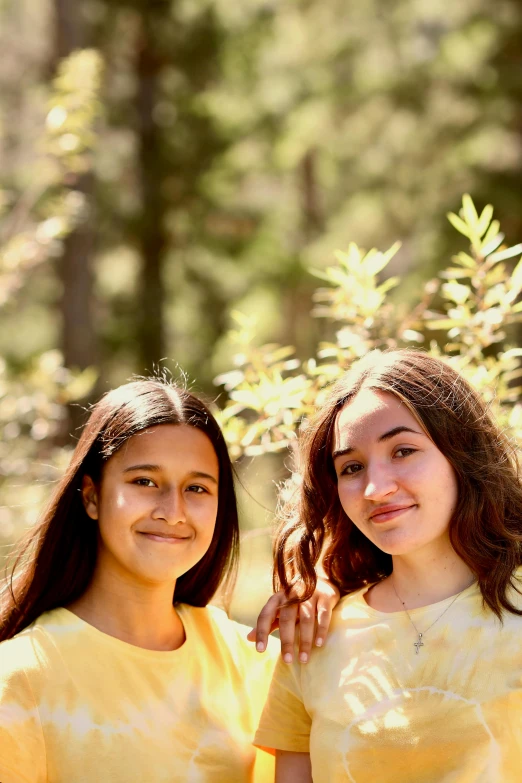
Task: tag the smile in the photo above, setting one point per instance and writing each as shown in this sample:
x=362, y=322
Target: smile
x=387, y=513
x=162, y=538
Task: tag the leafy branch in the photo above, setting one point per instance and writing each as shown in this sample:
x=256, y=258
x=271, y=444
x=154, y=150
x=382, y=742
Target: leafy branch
x=469, y=310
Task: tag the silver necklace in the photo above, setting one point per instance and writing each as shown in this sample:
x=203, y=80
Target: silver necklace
x=419, y=643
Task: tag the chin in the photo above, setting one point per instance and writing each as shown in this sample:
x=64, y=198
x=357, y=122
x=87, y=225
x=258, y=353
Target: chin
x=396, y=544
x=158, y=575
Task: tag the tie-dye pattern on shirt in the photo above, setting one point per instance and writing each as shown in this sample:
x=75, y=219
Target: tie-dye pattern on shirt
x=79, y=706
x=369, y=709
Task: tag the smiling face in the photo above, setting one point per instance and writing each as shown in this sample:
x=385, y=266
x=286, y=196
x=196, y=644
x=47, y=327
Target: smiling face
x=156, y=504
x=393, y=482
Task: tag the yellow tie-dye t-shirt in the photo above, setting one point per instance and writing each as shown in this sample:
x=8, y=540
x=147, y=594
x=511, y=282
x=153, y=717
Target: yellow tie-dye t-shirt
x=370, y=709
x=79, y=706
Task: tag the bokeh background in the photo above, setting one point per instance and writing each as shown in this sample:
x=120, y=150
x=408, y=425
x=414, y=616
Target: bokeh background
x=166, y=163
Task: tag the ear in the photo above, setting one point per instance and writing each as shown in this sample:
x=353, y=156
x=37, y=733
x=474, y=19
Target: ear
x=90, y=497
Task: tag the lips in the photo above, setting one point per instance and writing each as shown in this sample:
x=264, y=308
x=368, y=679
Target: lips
x=386, y=513
x=162, y=537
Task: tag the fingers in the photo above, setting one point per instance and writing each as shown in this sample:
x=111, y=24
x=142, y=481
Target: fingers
x=324, y=617
x=252, y=636
x=267, y=621
x=287, y=622
x=306, y=629
x=314, y=617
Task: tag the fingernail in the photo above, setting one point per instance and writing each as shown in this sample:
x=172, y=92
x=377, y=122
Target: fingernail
x=303, y=657
x=260, y=646
x=318, y=642
x=287, y=658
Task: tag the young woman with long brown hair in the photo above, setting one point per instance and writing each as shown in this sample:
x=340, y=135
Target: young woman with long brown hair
x=415, y=496
x=112, y=666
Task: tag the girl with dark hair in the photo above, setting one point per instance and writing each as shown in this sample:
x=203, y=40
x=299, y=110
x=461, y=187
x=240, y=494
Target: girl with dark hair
x=112, y=666
x=414, y=494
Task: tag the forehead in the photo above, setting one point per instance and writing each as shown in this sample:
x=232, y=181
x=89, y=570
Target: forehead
x=369, y=415
x=167, y=442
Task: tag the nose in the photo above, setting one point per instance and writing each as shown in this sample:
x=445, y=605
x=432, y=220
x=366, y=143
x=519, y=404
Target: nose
x=171, y=507
x=380, y=482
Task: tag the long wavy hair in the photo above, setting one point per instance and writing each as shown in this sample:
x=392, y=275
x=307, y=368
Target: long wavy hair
x=55, y=562
x=486, y=527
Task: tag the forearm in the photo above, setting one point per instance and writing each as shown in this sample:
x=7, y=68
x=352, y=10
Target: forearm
x=293, y=767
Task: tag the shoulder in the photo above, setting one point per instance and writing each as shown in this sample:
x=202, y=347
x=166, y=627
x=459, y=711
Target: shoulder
x=352, y=605
x=20, y=669
x=207, y=620
x=29, y=652
x=18, y=655
x=219, y=630
x=22, y=748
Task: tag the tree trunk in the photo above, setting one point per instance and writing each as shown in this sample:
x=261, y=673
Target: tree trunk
x=152, y=233
x=78, y=338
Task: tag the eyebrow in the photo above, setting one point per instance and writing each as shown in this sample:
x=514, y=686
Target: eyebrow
x=150, y=468
x=385, y=436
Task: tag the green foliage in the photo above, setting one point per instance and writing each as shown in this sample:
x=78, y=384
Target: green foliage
x=32, y=411
x=33, y=397
x=469, y=314
x=74, y=107
x=36, y=222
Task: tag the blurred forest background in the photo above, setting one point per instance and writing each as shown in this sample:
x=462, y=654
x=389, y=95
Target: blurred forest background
x=166, y=163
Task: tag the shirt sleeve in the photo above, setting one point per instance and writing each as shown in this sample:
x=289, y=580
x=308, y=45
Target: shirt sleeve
x=256, y=668
x=285, y=723
x=22, y=751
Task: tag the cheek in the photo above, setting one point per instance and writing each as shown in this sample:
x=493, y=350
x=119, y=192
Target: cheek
x=440, y=491
x=349, y=496
x=114, y=515
x=204, y=513
x=452, y=491
x=442, y=479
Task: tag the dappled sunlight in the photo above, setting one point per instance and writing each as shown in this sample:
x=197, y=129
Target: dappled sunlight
x=460, y=738
x=372, y=708
x=192, y=710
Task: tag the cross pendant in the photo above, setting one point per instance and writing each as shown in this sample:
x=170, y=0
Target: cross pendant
x=418, y=644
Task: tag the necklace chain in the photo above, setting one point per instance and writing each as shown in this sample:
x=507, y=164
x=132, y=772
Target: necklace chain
x=419, y=643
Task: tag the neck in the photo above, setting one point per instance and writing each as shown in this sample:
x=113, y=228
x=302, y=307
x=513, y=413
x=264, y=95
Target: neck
x=142, y=615
x=424, y=578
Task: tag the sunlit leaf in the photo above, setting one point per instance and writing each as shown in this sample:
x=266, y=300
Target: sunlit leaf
x=242, y=319
x=457, y=292
x=375, y=262
x=459, y=224
x=484, y=220
x=511, y=353
x=412, y=336
x=492, y=245
x=247, y=398
x=491, y=233
x=515, y=283
x=509, y=252
x=469, y=212
x=452, y=273
x=442, y=324
x=388, y=284
x=465, y=260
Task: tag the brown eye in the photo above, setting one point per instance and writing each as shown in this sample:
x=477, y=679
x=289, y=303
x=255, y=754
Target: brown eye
x=351, y=470
x=405, y=452
x=144, y=482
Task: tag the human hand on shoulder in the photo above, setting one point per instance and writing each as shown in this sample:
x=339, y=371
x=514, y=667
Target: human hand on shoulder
x=313, y=616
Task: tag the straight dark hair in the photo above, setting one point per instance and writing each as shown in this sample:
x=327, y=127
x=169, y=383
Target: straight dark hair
x=55, y=561
x=486, y=526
